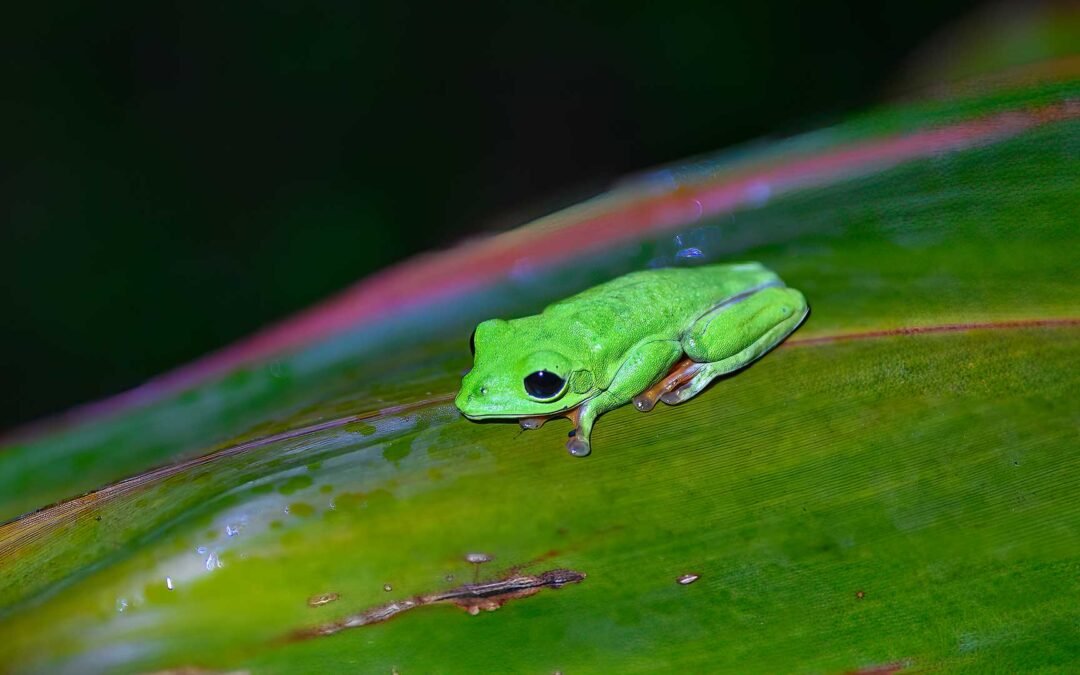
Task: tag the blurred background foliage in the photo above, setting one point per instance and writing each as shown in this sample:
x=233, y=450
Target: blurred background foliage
x=177, y=175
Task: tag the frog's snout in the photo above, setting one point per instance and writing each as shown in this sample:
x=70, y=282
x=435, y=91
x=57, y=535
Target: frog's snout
x=462, y=400
x=469, y=399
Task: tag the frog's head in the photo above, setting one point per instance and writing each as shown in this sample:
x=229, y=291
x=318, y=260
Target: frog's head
x=518, y=372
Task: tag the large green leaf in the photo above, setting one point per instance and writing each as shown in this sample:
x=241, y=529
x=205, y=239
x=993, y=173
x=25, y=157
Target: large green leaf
x=895, y=485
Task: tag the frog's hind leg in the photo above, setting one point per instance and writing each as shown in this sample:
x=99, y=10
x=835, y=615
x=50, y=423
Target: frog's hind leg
x=680, y=374
x=735, y=334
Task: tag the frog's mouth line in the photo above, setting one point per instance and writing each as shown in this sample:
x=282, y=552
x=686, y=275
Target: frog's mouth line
x=514, y=416
x=493, y=416
x=561, y=412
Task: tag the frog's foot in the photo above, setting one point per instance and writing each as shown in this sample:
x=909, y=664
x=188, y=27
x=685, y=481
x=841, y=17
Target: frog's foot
x=578, y=447
x=578, y=444
x=683, y=372
x=530, y=423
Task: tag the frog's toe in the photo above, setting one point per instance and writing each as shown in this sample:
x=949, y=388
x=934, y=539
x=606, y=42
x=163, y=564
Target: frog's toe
x=531, y=423
x=578, y=447
x=680, y=395
x=645, y=402
x=672, y=398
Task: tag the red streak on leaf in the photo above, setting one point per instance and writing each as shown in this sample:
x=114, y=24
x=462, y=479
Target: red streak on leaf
x=16, y=533
x=593, y=227
x=941, y=328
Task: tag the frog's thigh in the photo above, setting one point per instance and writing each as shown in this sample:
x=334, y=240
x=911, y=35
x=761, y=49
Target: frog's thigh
x=737, y=329
x=643, y=366
x=732, y=336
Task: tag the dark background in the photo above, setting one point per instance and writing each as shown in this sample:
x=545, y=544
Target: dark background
x=176, y=176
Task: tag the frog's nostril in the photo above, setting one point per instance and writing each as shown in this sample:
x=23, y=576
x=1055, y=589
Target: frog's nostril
x=483, y=391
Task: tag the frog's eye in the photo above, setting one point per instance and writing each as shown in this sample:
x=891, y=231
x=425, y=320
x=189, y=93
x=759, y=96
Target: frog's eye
x=544, y=385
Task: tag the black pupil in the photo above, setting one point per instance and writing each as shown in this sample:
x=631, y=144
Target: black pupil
x=472, y=343
x=543, y=384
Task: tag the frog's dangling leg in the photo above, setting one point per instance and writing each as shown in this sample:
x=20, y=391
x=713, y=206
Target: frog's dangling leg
x=725, y=345
x=643, y=365
x=682, y=373
x=578, y=443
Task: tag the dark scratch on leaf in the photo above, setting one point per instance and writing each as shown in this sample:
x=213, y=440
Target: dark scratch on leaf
x=487, y=596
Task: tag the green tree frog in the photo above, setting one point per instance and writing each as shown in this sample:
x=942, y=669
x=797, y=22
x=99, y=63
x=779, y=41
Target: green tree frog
x=653, y=335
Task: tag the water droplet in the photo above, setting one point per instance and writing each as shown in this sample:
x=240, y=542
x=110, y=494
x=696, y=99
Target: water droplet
x=689, y=253
x=201, y=550
x=860, y=594
x=449, y=577
x=212, y=562
x=478, y=558
x=387, y=587
x=687, y=579
x=168, y=583
x=121, y=604
x=232, y=530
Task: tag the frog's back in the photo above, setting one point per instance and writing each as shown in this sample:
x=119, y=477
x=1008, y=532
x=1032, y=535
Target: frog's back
x=645, y=302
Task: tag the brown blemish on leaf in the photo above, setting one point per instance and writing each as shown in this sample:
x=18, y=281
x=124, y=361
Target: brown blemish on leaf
x=473, y=598
x=881, y=669
x=323, y=599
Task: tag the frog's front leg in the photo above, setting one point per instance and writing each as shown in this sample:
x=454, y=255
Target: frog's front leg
x=733, y=336
x=643, y=365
